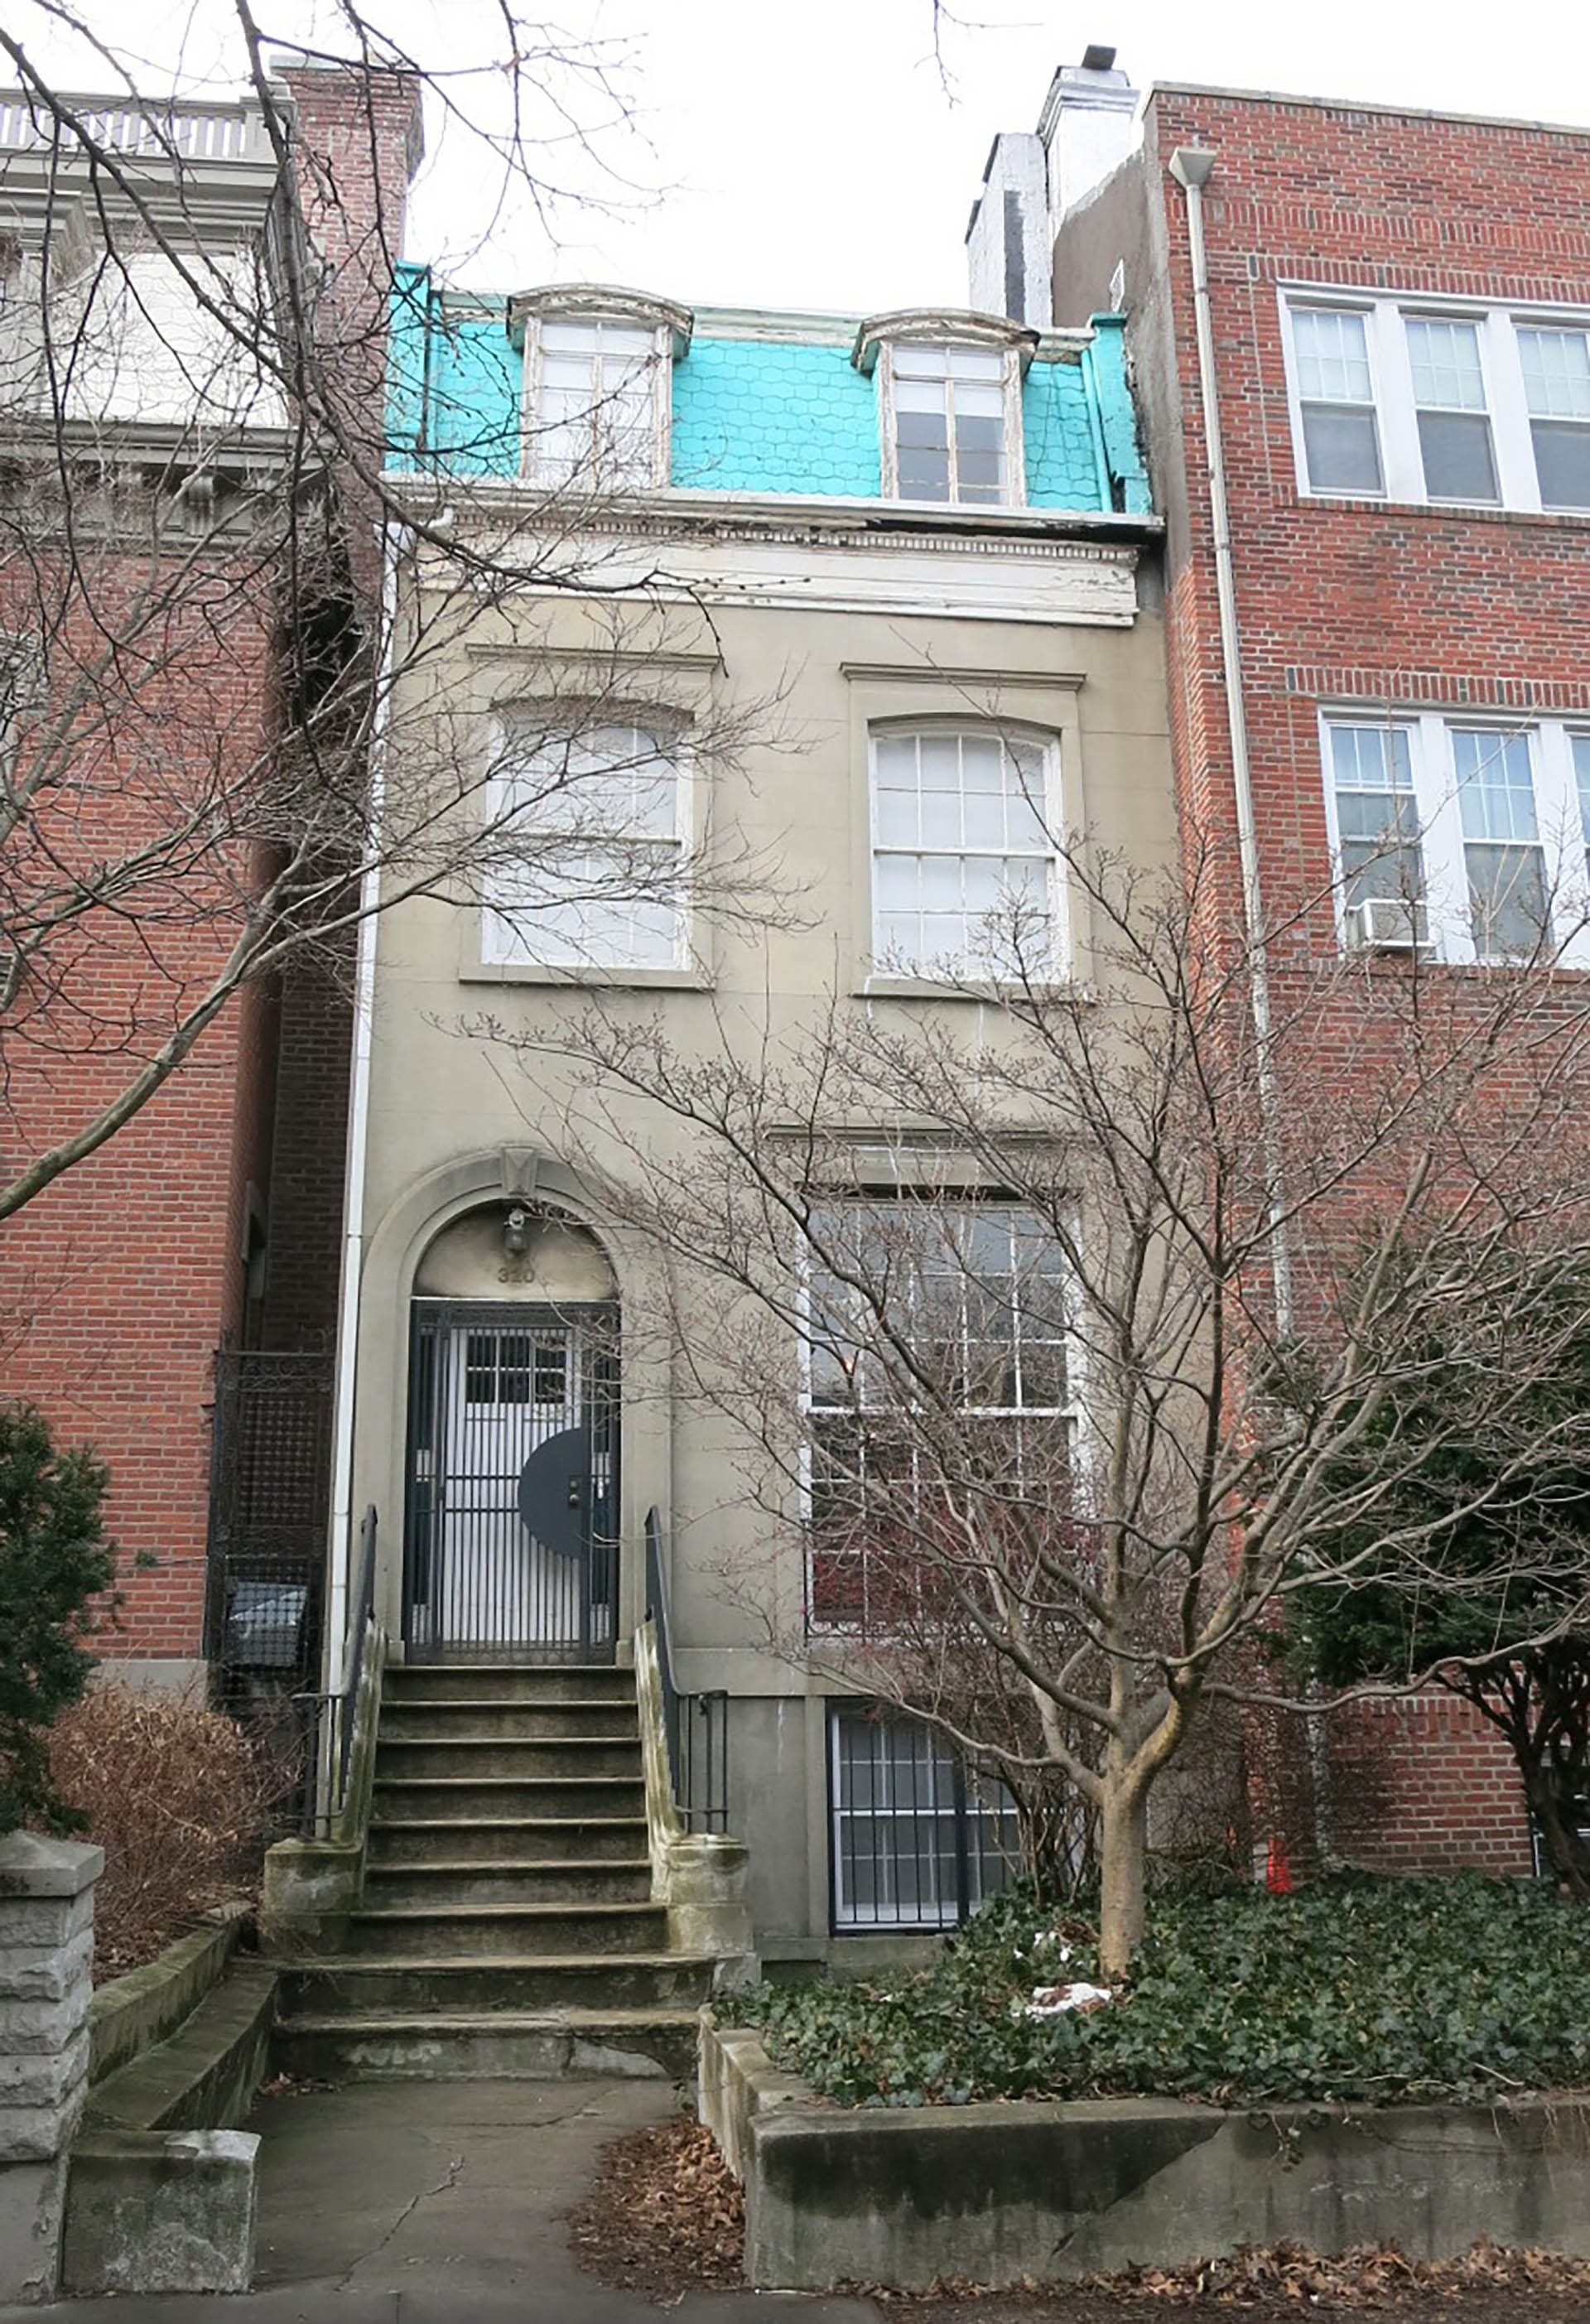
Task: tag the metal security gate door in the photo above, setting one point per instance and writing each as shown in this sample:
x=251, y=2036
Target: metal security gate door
x=511, y=1547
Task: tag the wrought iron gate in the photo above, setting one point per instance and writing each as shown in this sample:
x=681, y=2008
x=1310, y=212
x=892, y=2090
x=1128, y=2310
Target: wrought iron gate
x=270, y=1498
x=510, y=1543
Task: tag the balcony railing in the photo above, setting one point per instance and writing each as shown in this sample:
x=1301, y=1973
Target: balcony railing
x=187, y=131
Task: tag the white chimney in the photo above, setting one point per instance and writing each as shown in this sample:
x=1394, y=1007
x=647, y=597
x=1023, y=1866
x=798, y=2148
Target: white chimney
x=1008, y=243
x=1088, y=125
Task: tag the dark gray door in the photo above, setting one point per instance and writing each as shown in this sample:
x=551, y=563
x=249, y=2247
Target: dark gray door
x=510, y=1549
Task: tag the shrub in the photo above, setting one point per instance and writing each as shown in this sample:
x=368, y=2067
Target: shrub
x=55, y=1564
x=179, y=1797
x=1353, y=1990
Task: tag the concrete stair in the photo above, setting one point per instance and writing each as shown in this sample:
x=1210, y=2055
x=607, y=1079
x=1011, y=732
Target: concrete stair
x=506, y=1926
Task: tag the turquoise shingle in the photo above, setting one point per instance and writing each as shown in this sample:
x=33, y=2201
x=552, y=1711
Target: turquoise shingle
x=759, y=416
x=751, y=415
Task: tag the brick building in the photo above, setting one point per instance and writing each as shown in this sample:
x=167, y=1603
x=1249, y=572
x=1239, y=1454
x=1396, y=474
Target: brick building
x=1397, y=366
x=190, y=1262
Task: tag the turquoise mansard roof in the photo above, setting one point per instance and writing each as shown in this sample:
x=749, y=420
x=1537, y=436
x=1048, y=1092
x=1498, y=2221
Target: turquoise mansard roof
x=753, y=414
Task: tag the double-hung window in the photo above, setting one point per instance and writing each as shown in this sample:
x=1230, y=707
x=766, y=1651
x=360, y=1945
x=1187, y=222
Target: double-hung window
x=950, y=424
x=1427, y=400
x=1557, y=387
x=594, y=418
x=1449, y=399
x=939, y=1393
x=966, y=871
x=585, y=845
x=919, y=1840
x=1335, y=399
x=1502, y=856
x=1579, y=746
x=1376, y=814
x=1465, y=839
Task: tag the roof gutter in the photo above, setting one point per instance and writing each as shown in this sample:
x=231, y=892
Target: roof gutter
x=1191, y=166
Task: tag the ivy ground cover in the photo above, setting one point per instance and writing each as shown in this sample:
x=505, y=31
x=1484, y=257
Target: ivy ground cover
x=1351, y=1989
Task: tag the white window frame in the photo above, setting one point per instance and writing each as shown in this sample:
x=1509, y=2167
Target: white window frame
x=1385, y=316
x=881, y=969
x=1557, y=818
x=1014, y=494
x=1070, y=1413
x=531, y=423
x=501, y=951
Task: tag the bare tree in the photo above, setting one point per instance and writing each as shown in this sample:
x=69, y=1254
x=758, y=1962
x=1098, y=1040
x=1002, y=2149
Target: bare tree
x=987, y=1288
x=208, y=631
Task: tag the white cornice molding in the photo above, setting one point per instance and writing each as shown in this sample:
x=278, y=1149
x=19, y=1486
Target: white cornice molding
x=491, y=502
x=1052, y=581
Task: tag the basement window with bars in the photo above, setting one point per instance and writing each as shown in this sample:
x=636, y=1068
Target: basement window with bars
x=918, y=1840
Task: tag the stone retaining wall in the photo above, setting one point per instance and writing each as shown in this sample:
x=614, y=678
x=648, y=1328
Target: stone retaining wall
x=995, y=2192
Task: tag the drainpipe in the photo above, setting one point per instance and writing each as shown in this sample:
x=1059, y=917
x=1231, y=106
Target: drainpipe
x=394, y=539
x=1191, y=166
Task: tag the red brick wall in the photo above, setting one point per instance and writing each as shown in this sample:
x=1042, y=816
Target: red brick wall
x=1382, y=603
x=119, y=1280
x=1424, y=1785
x=1378, y=603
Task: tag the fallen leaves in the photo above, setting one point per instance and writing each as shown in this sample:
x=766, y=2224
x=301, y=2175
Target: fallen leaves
x=1373, y=2276
x=664, y=2217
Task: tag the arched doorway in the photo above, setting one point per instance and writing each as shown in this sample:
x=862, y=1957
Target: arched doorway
x=511, y=1544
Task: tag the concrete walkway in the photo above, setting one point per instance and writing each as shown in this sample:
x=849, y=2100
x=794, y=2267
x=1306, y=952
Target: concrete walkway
x=437, y=2203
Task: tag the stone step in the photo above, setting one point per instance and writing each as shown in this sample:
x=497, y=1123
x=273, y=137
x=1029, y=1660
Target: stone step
x=507, y=1932
x=507, y=1683
x=386, y=2045
x=464, y=1798
x=436, y=1720
x=507, y=1839
x=352, y=1984
x=481, y=1757
x=455, y=1881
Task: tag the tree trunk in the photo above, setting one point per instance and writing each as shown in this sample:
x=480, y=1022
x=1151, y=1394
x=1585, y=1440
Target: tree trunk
x=1562, y=1845
x=1124, y=1862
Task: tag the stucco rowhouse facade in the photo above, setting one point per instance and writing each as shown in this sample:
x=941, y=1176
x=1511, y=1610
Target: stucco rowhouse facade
x=761, y=577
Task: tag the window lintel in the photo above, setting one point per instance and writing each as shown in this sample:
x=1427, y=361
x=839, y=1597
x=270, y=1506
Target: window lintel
x=937, y=327
x=600, y=302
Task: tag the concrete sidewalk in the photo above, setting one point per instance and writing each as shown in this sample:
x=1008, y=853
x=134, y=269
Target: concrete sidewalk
x=436, y=2204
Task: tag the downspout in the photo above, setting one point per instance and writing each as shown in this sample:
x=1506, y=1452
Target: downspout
x=358, y=1143
x=1191, y=166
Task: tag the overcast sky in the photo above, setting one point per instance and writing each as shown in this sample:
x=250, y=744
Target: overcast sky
x=818, y=153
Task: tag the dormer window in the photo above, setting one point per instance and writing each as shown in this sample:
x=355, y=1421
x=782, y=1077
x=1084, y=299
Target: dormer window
x=597, y=376
x=949, y=430
x=948, y=400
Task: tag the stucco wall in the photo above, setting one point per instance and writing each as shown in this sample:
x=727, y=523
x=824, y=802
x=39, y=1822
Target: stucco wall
x=458, y=1120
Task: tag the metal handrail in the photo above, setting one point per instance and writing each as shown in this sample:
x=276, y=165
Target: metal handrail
x=693, y=1767
x=329, y=1718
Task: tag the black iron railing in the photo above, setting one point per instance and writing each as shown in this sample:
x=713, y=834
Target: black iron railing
x=696, y=1725
x=327, y=1722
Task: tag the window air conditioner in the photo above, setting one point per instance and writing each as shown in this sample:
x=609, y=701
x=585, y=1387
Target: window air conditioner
x=1388, y=924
